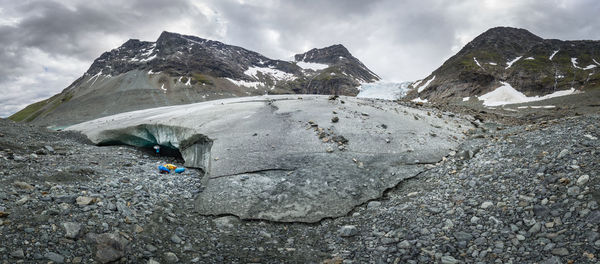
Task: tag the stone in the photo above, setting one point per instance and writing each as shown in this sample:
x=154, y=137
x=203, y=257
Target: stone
x=109, y=246
x=225, y=222
x=463, y=236
x=448, y=260
x=49, y=149
x=138, y=229
x=404, y=244
x=170, y=257
x=23, y=185
x=552, y=260
x=175, y=239
x=583, y=179
x=535, y=228
x=573, y=191
x=562, y=153
x=520, y=237
x=486, y=205
x=560, y=251
x=18, y=254
x=84, y=200
x=151, y=248
x=373, y=204
x=152, y=261
x=72, y=230
x=57, y=258
x=348, y=231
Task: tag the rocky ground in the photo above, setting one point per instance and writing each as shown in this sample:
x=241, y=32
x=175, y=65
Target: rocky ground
x=510, y=194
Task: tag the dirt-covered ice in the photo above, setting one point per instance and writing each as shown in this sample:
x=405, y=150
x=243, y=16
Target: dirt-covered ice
x=289, y=158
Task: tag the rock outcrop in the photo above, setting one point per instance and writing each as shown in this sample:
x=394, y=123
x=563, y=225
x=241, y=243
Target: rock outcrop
x=530, y=64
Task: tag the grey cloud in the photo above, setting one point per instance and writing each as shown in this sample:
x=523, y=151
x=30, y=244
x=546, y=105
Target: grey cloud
x=399, y=40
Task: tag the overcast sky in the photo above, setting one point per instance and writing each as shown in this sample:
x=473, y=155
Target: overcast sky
x=45, y=45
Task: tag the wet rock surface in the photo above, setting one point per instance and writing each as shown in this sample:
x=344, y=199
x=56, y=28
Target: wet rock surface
x=140, y=216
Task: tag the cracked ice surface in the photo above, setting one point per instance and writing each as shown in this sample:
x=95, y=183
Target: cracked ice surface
x=267, y=162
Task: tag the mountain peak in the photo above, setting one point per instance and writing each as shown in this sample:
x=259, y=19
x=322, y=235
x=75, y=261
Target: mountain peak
x=327, y=55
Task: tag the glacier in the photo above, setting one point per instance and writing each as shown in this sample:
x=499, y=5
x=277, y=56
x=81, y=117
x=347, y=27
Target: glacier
x=281, y=157
x=384, y=90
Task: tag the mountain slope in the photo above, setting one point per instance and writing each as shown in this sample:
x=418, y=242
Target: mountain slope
x=530, y=64
x=180, y=69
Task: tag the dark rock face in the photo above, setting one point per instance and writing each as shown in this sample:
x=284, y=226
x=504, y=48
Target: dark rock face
x=338, y=57
x=180, y=69
x=530, y=64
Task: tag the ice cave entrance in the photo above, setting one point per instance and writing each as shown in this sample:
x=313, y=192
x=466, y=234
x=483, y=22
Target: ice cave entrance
x=174, y=141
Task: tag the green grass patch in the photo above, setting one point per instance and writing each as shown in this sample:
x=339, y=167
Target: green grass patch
x=29, y=113
x=201, y=78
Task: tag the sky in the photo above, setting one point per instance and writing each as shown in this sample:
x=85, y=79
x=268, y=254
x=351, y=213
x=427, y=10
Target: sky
x=45, y=45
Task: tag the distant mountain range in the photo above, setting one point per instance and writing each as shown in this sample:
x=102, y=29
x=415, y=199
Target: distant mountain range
x=515, y=57
x=180, y=69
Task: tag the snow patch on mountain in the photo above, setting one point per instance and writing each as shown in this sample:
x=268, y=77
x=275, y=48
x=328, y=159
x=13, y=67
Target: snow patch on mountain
x=274, y=73
x=510, y=63
x=589, y=67
x=506, y=94
x=553, y=53
x=477, y=62
x=311, y=65
x=426, y=84
x=245, y=83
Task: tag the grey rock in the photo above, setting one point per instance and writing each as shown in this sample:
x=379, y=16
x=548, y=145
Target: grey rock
x=480, y=241
x=562, y=153
x=573, y=191
x=535, y=228
x=552, y=260
x=18, y=254
x=123, y=209
x=170, y=257
x=49, y=149
x=583, y=180
x=175, y=239
x=593, y=217
x=57, y=258
x=72, y=230
x=560, y=251
x=463, y=236
x=486, y=205
x=541, y=211
x=549, y=246
x=225, y=221
x=109, y=246
x=404, y=244
x=348, y=231
x=449, y=260
x=373, y=204
x=151, y=248
x=152, y=261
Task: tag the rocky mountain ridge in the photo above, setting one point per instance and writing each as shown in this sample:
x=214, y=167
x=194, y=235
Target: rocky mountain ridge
x=503, y=55
x=180, y=69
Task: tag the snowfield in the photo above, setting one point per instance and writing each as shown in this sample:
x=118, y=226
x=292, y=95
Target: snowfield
x=506, y=94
